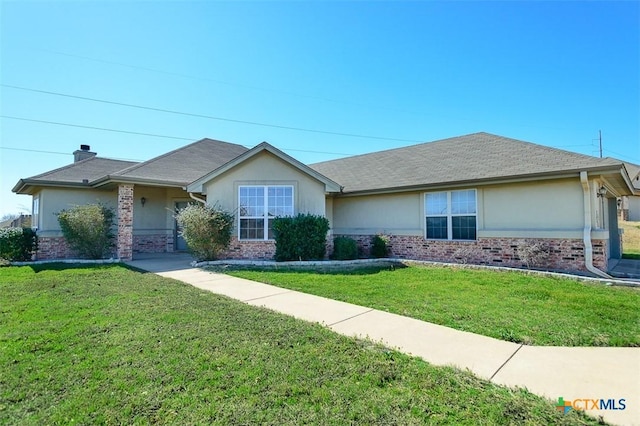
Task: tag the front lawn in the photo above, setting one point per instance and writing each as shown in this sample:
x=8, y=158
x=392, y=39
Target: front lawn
x=630, y=239
x=107, y=345
x=506, y=305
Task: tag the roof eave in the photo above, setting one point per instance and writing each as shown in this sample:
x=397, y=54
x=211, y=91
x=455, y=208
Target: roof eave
x=110, y=179
x=482, y=181
x=24, y=185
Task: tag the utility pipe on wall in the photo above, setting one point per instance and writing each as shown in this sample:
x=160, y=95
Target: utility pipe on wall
x=586, y=237
x=200, y=200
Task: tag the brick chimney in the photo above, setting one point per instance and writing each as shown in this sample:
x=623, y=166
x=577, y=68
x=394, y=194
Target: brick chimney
x=83, y=153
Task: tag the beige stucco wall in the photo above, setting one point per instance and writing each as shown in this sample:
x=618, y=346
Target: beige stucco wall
x=398, y=214
x=267, y=169
x=542, y=209
x=53, y=200
x=155, y=217
x=634, y=208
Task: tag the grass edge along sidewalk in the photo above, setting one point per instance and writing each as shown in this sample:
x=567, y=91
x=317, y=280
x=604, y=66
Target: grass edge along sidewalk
x=511, y=306
x=104, y=344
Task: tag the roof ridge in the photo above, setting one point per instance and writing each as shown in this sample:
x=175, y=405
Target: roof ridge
x=166, y=154
x=405, y=147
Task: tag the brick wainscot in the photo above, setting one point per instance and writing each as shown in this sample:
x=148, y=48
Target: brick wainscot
x=564, y=254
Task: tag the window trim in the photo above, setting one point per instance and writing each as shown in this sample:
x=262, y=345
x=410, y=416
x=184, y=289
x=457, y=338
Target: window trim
x=265, y=217
x=450, y=215
x=35, y=212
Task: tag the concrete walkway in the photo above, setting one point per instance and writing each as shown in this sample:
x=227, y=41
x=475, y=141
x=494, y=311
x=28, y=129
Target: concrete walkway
x=584, y=373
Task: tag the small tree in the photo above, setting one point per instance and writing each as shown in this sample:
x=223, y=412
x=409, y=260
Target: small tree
x=303, y=237
x=88, y=229
x=17, y=244
x=206, y=229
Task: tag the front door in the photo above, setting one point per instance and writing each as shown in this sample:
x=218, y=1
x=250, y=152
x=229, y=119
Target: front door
x=181, y=244
x=614, y=231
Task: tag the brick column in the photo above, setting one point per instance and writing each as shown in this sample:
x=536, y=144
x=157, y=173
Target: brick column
x=125, y=222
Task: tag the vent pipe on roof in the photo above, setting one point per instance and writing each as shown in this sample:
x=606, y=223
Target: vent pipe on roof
x=83, y=153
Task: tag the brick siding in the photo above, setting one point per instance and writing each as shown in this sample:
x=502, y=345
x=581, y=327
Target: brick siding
x=53, y=248
x=254, y=250
x=564, y=255
x=125, y=222
x=155, y=243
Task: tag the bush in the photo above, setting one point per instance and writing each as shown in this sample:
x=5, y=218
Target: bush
x=206, y=229
x=88, y=230
x=344, y=248
x=303, y=237
x=380, y=246
x=17, y=244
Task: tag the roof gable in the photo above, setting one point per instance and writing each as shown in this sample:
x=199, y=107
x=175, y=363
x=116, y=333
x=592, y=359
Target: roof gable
x=197, y=185
x=469, y=158
x=182, y=165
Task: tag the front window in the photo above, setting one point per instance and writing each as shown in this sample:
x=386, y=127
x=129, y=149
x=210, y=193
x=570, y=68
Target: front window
x=451, y=215
x=35, y=212
x=258, y=206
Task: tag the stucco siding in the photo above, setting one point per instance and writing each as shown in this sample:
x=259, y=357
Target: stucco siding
x=634, y=208
x=551, y=205
x=544, y=209
x=54, y=200
x=267, y=169
x=398, y=214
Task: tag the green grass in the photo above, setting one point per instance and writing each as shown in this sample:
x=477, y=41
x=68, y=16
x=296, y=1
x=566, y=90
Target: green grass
x=107, y=345
x=630, y=239
x=505, y=305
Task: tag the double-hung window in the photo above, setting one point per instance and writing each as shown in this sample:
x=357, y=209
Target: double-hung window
x=451, y=215
x=259, y=205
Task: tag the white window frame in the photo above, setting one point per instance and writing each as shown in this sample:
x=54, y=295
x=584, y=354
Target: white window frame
x=265, y=217
x=450, y=215
x=35, y=212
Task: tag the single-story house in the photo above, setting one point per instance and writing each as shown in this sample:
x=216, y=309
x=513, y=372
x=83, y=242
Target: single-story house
x=629, y=205
x=474, y=197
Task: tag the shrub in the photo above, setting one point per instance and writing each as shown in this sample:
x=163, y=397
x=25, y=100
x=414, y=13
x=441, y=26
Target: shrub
x=303, y=237
x=17, y=244
x=206, y=229
x=533, y=253
x=88, y=229
x=380, y=246
x=344, y=248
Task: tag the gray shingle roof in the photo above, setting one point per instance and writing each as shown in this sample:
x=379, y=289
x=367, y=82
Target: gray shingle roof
x=183, y=165
x=474, y=157
x=90, y=169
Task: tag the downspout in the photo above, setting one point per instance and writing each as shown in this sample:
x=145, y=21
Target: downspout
x=586, y=237
x=200, y=200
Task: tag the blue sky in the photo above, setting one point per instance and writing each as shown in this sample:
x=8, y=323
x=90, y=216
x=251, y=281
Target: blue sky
x=399, y=73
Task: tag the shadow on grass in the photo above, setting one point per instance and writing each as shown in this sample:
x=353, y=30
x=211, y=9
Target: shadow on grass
x=61, y=266
x=324, y=270
x=635, y=256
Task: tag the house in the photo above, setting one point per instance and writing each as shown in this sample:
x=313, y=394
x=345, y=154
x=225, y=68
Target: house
x=629, y=205
x=475, y=197
x=21, y=221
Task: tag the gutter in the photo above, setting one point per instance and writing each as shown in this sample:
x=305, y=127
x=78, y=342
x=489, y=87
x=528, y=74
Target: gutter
x=200, y=200
x=586, y=237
